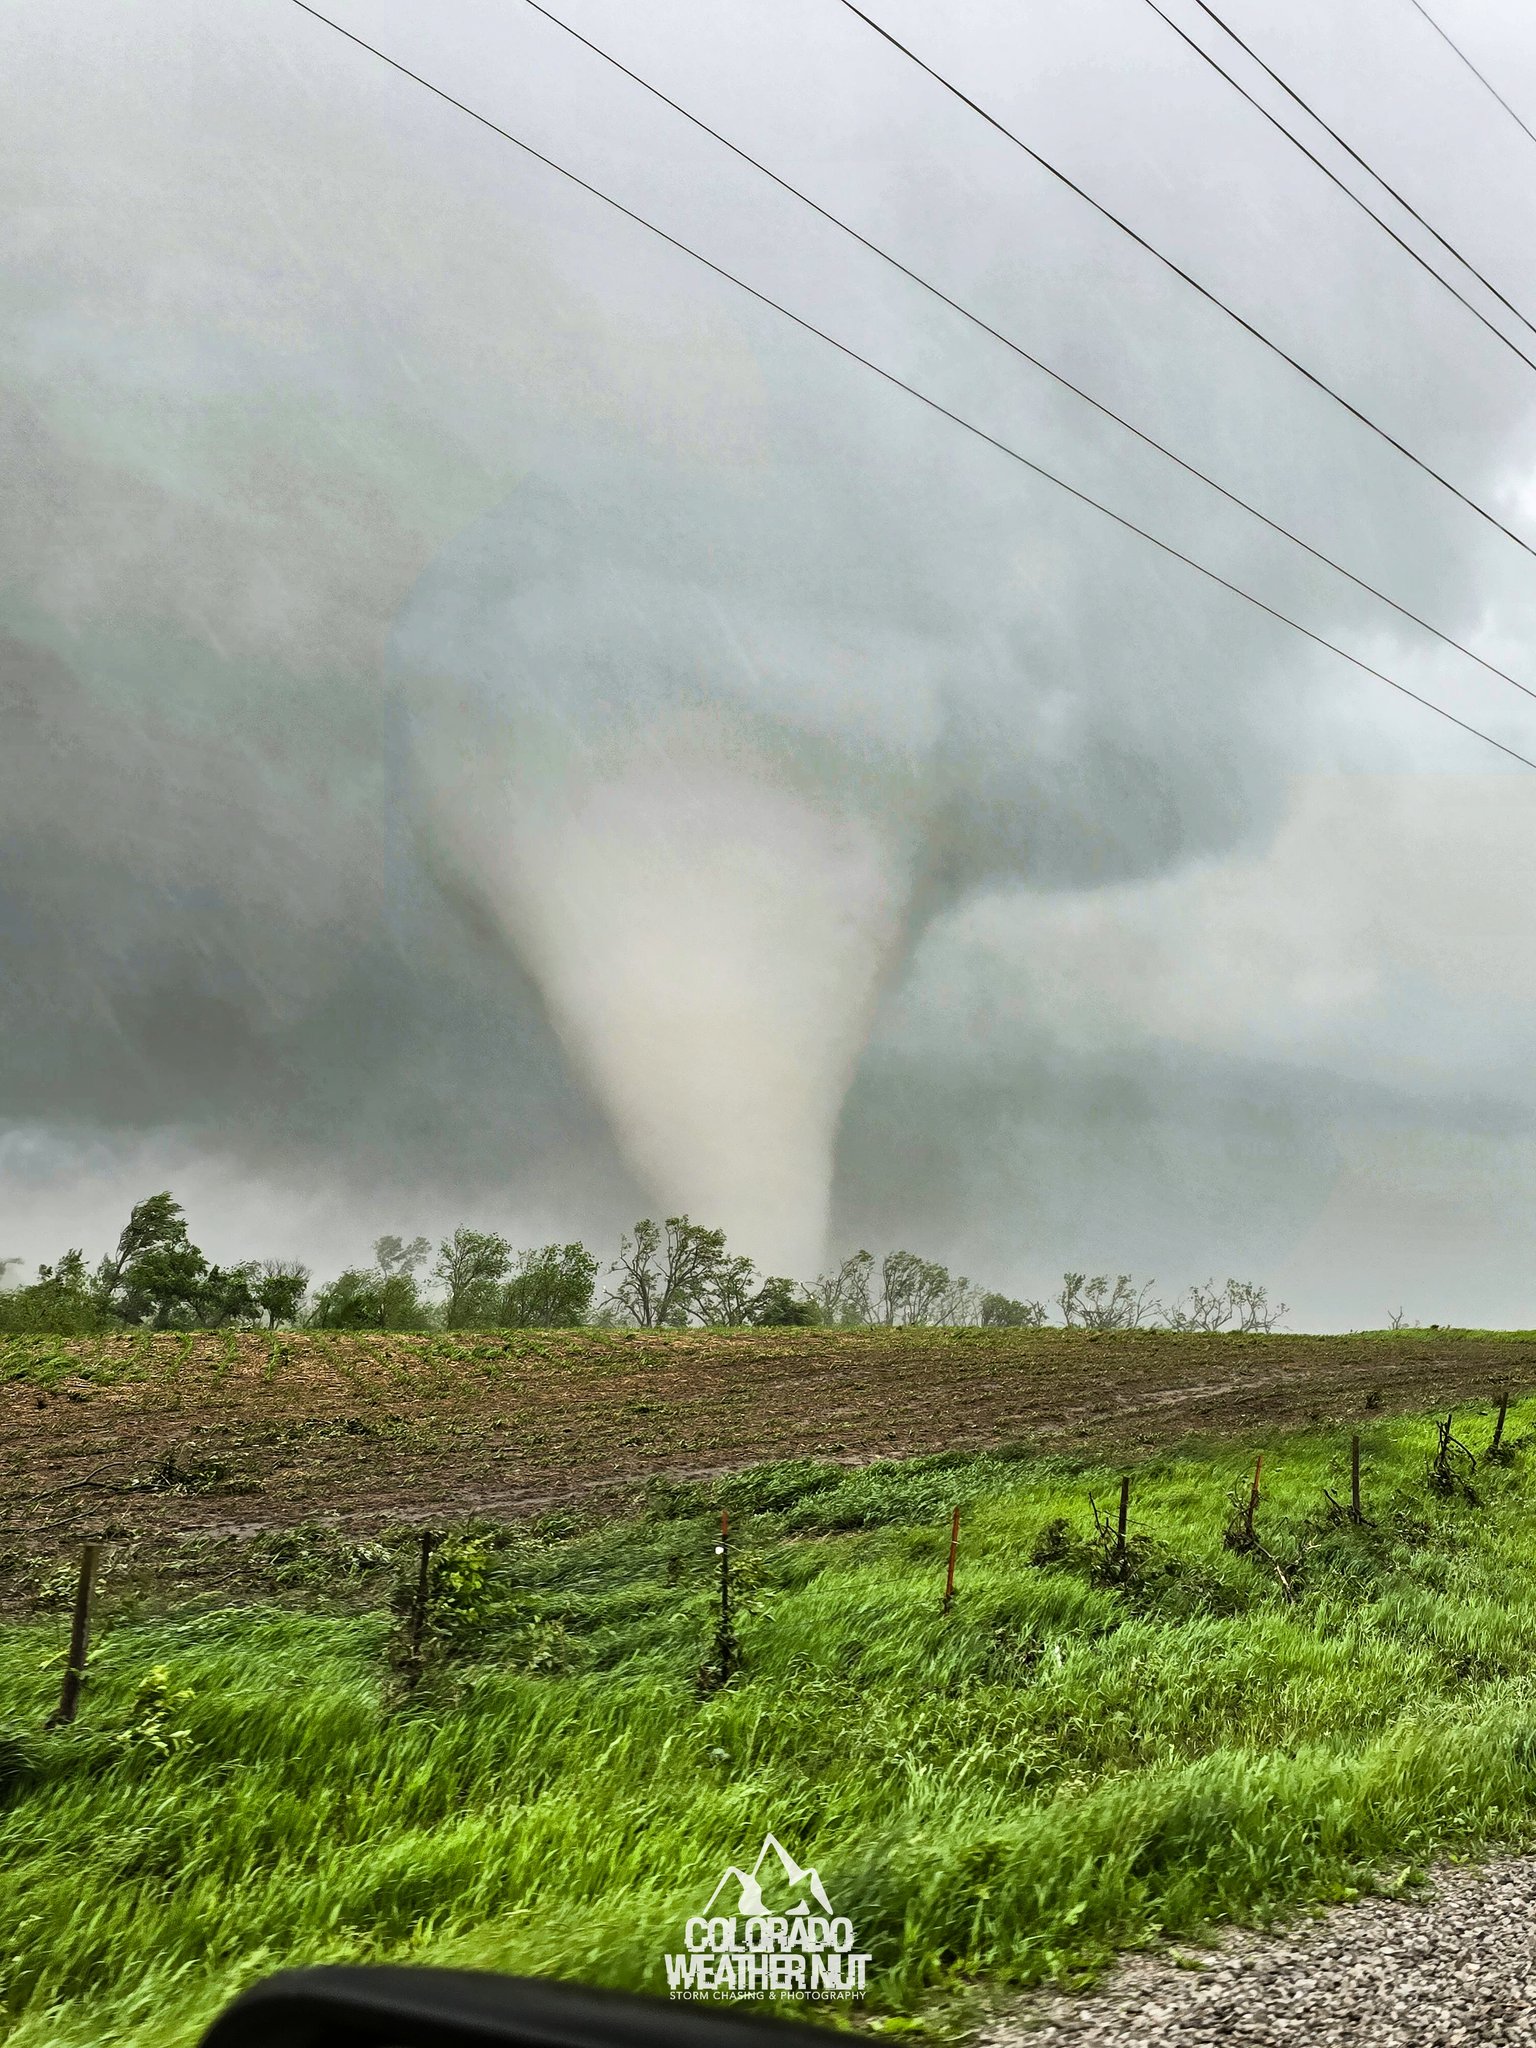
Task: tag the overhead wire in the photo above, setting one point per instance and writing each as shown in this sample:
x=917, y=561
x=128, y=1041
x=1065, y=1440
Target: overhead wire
x=1205, y=292
x=1018, y=349
x=1485, y=83
x=899, y=383
x=1348, y=190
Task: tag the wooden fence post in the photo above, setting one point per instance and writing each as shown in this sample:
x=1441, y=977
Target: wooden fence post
x=954, y=1545
x=79, y=1639
x=1125, y=1515
x=1498, y=1427
x=1354, y=1480
x=423, y=1595
x=1253, y=1497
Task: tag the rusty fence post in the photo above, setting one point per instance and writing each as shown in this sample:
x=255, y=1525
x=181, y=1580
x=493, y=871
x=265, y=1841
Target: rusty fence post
x=954, y=1545
x=79, y=1639
x=1253, y=1497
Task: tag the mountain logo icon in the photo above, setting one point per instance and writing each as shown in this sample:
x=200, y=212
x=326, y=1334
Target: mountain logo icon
x=769, y=1932
x=750, y=1904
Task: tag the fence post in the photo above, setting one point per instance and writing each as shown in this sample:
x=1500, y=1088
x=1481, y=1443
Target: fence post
x=954, y=1545
x=1125, y=1515
x=79, y=1639
x=1498, y=1427
x=725, y=1641
x=1253, y=1497
x=1354, y=1480
x=423, y=1592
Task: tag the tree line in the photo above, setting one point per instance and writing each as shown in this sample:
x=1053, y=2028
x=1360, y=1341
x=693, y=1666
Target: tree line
x=667, y=1275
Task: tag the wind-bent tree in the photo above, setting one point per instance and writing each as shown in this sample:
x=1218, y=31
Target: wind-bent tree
x=844, y=1296
x=277, y=1289
x=782, y=1303
x=1240, y=1304
x=158, y=1277
x=726, y=1292
x=362, y=1298
x=1102, y=1303
x=1002, y=1312
x=550, y=1289
x=384, y=1296
x=667, y=1272
x=154, y=1260
x=61, y=1301
x=393, y=1255
x=469, y=1265
x=914, y=1290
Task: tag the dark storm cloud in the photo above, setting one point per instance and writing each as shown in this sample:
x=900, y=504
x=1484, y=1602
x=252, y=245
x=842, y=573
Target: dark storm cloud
x=306, y=370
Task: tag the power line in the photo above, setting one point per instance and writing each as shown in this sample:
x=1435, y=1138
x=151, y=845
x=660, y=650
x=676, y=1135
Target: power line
x=985, y=327
x=1461, y=53
x=1194, y=283
x=1349, y=193
x=912, y=391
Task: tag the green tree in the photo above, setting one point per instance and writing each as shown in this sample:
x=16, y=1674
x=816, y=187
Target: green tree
x=393, y=1255
x=158, y=1277
x=1001, y=1312
x=668, y=1272
x=726, y=1292
x=550, y=1289
x=352, y=1301
x=155, y=1225
x=60, y=1302
x=228, y=1295
x=278, y=1290
x=469, y=1265
x=782, y=1303
x=911, y=1289
x=917, y=1291
x=68, y=1276
x=166, y=1286
x=844, y=1297
x=384, y=1296
x=366, y=1299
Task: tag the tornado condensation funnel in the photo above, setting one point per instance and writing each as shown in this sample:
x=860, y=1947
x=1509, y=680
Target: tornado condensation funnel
x=711, y=941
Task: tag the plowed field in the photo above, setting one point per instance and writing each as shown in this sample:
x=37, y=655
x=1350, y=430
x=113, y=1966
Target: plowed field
x=234, y=1434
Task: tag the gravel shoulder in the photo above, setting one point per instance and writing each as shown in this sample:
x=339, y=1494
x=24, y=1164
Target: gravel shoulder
x=1455, y=1965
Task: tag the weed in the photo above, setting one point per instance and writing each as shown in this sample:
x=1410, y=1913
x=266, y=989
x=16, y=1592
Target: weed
x=152, y=1733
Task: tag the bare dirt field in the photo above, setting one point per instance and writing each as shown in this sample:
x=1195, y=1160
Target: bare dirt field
x=231, y=1434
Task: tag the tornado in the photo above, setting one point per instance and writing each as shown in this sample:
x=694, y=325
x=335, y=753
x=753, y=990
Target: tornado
x=709, y=757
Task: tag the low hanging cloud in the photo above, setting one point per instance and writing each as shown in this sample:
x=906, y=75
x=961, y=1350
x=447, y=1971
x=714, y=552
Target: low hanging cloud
x=495, y=726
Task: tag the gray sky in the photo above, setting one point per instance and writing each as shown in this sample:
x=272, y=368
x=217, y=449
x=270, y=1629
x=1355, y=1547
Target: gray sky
x=496, y=727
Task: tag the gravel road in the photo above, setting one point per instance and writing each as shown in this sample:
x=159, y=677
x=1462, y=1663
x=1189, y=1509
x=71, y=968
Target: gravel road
x=1457, y=1965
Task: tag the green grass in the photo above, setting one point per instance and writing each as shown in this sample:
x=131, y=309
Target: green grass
x=1064, y=1765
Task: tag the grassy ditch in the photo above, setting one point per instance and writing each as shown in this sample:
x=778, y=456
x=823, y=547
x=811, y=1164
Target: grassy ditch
x=1097, y=1746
